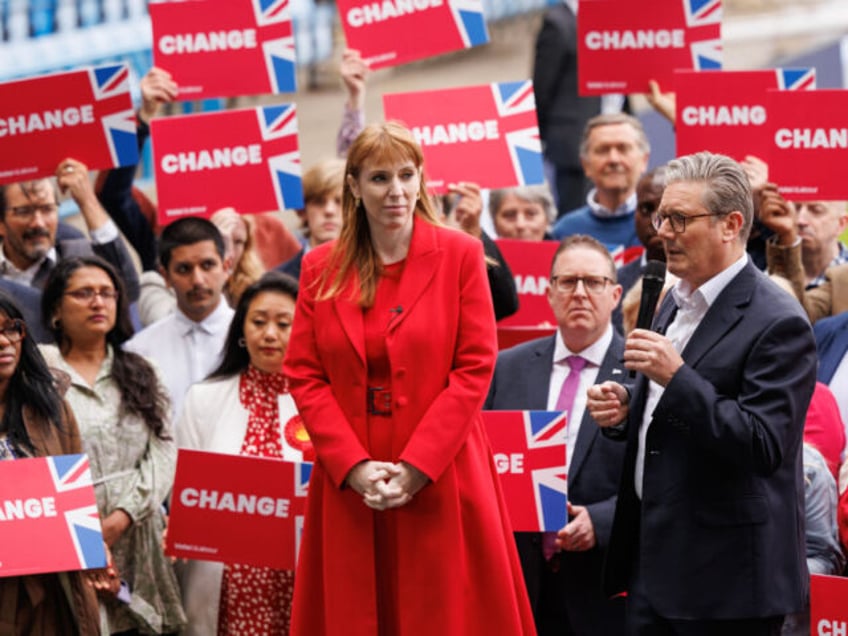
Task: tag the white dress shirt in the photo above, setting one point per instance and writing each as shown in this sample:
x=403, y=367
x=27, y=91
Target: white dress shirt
x=692, y=306
x=594, y=355
x=185, y=351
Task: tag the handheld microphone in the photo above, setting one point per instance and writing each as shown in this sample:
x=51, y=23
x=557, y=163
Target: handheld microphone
x=652, y=284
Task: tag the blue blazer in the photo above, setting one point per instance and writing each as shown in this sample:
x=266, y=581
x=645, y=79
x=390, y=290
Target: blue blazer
x=521, y=382
x=719, y=531
x=832, y=342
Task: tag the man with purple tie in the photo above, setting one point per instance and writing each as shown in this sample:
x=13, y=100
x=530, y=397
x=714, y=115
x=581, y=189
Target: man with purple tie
x=563, y=570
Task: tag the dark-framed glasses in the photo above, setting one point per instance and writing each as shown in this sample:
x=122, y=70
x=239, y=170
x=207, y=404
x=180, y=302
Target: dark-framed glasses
x=677, y=220
x=592, y=284
x=13, y=330
x=27, y=212
x=87, y=294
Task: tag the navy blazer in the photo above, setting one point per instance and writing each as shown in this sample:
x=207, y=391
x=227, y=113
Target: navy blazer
x=521, y=382
x=28, y=300
x=832, y=342
x=719, y=531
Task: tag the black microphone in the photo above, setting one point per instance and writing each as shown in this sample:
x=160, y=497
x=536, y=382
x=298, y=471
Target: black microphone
x=652, y=284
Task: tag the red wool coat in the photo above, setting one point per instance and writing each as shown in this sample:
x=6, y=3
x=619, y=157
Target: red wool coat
x=459, y=573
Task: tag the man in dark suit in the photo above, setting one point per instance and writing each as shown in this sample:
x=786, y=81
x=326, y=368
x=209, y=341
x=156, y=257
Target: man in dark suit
x=29, y=219
x=708, y=536
x=565, y=590
x=562, y=113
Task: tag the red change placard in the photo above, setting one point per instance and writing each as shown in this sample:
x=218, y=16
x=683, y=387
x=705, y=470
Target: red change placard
x=393, y=32
x=225, y=48
x=808, y=135
x=86, y=114
x=726, y=111
x=529, y=451
x=530, y=263
x=623, y=44
x=486, y=134
x=237, y=509
x=48, y=516
x=247, y=159
x=828, y=609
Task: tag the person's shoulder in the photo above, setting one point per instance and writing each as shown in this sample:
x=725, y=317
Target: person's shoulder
x=830, y=325
x=317, y=257
x=452, y=238
x=767, y=294
x=570, y=221
x=209, y=393
x=526, y=349
x=50, y=353
x=151, y=335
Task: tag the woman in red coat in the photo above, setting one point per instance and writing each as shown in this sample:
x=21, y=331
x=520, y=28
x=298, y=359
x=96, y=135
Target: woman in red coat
x=389, y=361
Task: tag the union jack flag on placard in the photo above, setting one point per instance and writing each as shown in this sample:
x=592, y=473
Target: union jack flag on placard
x=271, y=11
x=48, y=516
x=529, y=451
x=702, y=12
x=470, y=21
x=796, y=79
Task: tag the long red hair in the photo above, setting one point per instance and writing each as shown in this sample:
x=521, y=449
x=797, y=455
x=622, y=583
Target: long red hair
x=353, y=252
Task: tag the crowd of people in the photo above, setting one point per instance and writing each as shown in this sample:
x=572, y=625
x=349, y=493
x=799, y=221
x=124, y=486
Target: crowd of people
x=705, y=455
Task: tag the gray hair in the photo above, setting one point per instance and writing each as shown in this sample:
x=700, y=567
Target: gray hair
x=539, y=194
x=726, y=190
x=612, y=119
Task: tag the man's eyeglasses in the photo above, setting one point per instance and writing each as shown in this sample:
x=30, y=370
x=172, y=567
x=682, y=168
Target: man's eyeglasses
x=677, y=220
x=87, y=294
x=27, y=212
x=592, y=284
x=13, y=330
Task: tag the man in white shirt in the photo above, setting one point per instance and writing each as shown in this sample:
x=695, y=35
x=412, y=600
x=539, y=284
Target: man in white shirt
x=708, y=536
x=565, y=588
x=187, y=344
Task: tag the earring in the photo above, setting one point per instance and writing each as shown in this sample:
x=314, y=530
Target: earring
x=242, y=342
x=356, y=202
x=54, y=324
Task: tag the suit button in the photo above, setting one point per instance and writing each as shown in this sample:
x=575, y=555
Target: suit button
x=401, y=401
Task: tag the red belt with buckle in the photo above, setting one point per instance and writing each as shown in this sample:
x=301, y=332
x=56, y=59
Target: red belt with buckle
x=379, y=401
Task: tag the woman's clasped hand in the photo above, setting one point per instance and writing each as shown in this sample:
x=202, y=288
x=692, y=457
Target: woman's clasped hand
x=385, y=485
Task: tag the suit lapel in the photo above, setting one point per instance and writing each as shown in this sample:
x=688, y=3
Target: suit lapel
x=611, y=369
x=722, y=315
x=539, y=375
x=422, y=261
x=350, y=316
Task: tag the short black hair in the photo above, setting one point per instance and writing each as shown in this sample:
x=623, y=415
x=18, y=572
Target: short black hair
x=236, y=357
x=188, y=231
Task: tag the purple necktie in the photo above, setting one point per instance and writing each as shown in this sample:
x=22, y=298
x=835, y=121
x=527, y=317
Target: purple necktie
x=564, y=403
